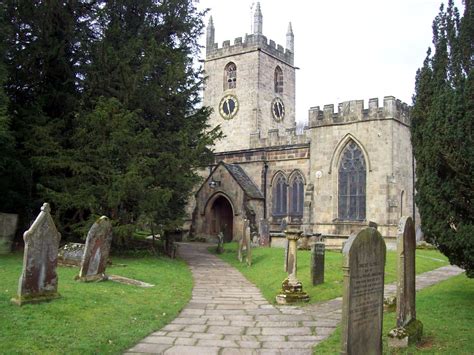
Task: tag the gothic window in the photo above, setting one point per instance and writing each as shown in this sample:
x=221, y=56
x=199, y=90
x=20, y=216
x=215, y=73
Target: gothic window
x=352, y=178
x=278, y=80
x=280, y=193
x=230, y=73
x=296, y=195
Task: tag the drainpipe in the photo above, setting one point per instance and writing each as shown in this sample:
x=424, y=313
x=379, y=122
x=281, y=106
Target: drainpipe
x=413, y=186
x=265, y=171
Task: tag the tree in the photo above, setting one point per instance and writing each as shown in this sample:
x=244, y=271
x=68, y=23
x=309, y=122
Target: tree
x=442, y=137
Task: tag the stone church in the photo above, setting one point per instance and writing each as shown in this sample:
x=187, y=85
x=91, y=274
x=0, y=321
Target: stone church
x=349, y=166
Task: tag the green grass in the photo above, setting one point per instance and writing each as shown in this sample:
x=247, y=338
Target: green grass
x=447, y=313
x=267, y=272
x=104, y=317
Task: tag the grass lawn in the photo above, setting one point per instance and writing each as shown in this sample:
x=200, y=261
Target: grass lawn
x=267, y=272
x=447, y=313
x=104, y=317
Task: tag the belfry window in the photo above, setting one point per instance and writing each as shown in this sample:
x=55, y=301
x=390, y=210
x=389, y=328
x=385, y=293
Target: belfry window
x=230, y=76
x=351, y=185
x=278, y=80
x=280, y=191
x=296, y=195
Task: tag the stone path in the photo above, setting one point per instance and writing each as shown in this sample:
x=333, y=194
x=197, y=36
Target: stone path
x=228, y=315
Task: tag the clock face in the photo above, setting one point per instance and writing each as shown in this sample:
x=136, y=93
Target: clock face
x=228, y=107
x=278, y=109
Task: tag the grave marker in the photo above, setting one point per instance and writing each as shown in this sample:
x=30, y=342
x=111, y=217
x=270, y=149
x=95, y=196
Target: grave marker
x=362, y=309
x=39, y=280
x=317, y=263
x=8, y=225
x=409, y=329
x=96, y=251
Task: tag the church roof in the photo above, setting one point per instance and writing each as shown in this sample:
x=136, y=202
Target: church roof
x=250, y=189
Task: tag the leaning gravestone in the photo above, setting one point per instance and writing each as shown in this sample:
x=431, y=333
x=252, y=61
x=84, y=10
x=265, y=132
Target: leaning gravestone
x=409, y=329
x=39, y=281
x=362, y=309
x=96, y=252
x=317, y=263
x=8, y=224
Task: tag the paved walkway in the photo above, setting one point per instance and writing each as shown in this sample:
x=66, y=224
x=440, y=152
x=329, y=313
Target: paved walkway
x=228, y=315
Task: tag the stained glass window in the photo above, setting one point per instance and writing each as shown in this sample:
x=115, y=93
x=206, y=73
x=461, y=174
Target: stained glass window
x=352, y=181
x=278, y=80
x=296, y=195
x=280, y=191
x=230, y=73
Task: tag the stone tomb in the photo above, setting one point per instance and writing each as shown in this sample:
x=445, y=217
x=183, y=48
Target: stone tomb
x=362, y=308
x=96, y=252
x=317, y=263
x=71, y=254
x=291, y=287
x=39, y=280
x=8, y=225
x=408, y=329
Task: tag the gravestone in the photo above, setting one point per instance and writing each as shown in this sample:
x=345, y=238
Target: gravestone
x=39, y=281
x=408, y=329
x=264, y=233
x=291, y=287
x=8, y=225
x=245, y=243
x=96, y=251
x=362, y=308
x=71, y=254
x=317, y=263
x=220, y=243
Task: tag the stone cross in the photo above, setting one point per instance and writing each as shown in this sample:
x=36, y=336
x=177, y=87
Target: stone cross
x=8, y=224
x=409, y=329
x=292, y=289
x=317, y=263
x=39, y=280
x=96, y=251
x=362, y=306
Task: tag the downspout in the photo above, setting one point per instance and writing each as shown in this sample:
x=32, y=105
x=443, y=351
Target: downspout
x=265, y=172
x=413, y=183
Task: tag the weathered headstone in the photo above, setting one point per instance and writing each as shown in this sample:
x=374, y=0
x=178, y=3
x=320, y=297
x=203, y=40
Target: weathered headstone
x=8, y=225
x=362, y=309
x=408, y=329
x=317, y=263
x=291, y=288
x=96, y=252
x=220, y=243
x=264, y=233
x=245, y=243
x=39, y=281
x=70, y=254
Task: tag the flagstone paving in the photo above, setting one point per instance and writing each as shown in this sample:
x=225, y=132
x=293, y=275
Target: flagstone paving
x=228, y=315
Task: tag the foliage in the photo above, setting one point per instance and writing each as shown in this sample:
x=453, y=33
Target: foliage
x=442, y=137
x=85, y=319
x=264, y=259
x=446, y=311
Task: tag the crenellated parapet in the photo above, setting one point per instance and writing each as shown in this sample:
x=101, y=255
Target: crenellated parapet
x=352, y=111
x=275, y=139
x=249, y=43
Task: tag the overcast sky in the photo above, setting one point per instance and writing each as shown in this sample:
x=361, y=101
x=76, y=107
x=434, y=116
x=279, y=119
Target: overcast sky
x=344, y=49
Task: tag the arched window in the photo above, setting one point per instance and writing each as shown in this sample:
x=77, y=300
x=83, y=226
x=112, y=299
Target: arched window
x=352, y=178
x=280, y=191
x=278, y=80
x=296, y=195
x=230, y=76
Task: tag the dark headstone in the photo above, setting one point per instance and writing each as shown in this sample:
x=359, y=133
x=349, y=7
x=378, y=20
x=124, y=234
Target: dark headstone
x=264, y=233
x=409, y=329
x=317, y=263
x=8, y=225
x=39, y=280
x=96, y=252
x=71, y=254
x=362, y=309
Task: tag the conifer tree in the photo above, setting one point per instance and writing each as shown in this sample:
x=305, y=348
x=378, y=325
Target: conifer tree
x=442, y=137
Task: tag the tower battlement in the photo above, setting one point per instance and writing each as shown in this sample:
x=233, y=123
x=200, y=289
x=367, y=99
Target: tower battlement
x=351, y=111
x=274, y=139
x=249, y=43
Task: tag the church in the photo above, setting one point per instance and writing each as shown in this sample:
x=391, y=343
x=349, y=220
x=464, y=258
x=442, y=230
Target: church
x=349, y=166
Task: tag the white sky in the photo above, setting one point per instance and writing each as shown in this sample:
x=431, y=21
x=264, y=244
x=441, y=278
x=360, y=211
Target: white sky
x=345, y=49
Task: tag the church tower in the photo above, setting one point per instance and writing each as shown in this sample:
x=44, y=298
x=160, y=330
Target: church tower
x=250, y=85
